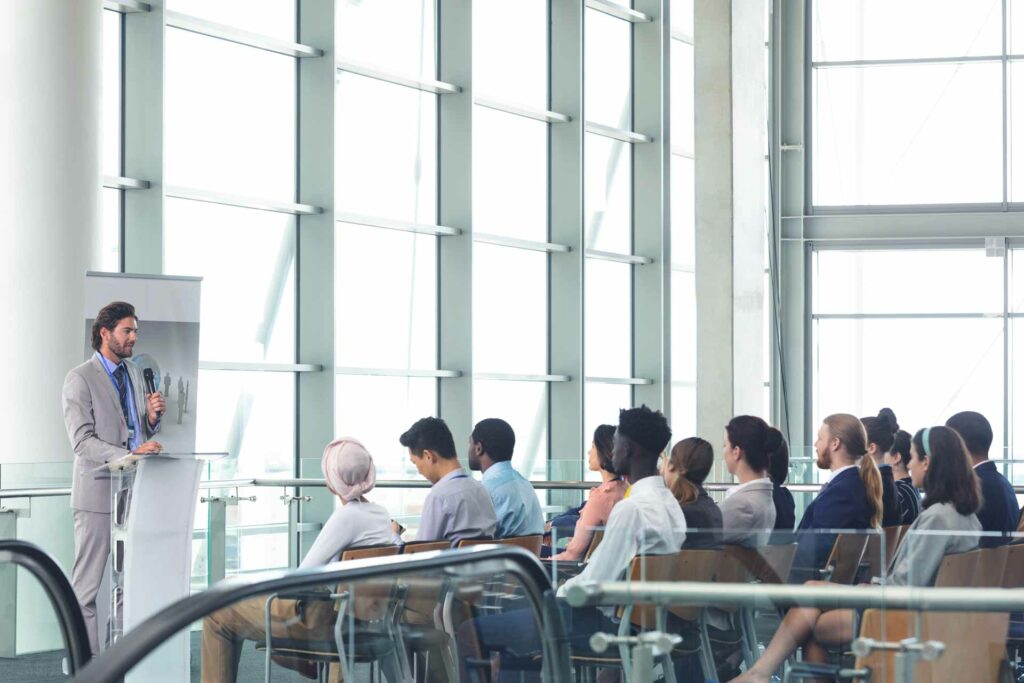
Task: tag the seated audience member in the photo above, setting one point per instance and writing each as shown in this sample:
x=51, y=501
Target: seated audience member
x=940, y=465
x=908, y=496
x=685, y=471
x=647, y=521
x=748, y=511
x=881, y=433
x=350, y=474
x=852, y=499
x=600, y=500
x=458, y=507
x=778, y=472
x=999, y=510
x=515, y=502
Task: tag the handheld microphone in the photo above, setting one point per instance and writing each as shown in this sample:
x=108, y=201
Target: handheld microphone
x=147, y=375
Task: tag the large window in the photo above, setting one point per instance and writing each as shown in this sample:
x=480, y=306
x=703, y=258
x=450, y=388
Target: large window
x=902, y=115
x=921, y=331
x=108, y=258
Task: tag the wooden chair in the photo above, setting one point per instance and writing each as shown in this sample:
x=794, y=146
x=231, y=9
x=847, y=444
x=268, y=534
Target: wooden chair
x=1020, y=523
x=698, y=566
x=424, y=547
x=532, y=543
x=845, y=558
x=991, y=566
x=776, y=561
x=595, y=541
x=369, y=551
x=636, y=617
x=959, y=570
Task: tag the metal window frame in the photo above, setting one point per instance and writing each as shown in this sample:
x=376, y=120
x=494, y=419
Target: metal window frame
x=436, y=87
x=517, y=243
x=127, y=6
x=395, y=224
x=212, y=29
x=260, y=204
x=618, y=11
x=397, y=372
x=620, y=134
x=122, y=183
x=543, y=115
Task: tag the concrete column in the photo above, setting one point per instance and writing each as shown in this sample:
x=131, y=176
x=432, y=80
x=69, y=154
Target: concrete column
x=50, y=180
x=730, y=128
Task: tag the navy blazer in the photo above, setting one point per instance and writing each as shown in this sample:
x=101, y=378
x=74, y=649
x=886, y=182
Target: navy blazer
x=999, y=510
x=842, y=504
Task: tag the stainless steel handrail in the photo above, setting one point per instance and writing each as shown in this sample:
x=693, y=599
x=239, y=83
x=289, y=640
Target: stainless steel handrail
x=773, y=595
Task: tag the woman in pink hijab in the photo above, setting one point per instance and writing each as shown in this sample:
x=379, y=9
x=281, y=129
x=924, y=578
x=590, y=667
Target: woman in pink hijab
x=350, y=475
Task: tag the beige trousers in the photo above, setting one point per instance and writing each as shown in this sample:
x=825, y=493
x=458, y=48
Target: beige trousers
x=92, y=549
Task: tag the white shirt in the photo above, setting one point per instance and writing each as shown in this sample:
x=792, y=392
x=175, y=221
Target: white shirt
x=355, y=525
x=734, y=489
x=648, y=522
x=842, y=469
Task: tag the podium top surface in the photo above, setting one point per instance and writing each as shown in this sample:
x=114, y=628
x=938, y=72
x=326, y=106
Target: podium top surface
x=130, y=461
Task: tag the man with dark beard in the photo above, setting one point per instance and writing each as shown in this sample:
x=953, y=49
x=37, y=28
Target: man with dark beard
x=107, y=415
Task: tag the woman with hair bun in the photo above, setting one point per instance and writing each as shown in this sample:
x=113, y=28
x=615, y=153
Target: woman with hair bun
x=881, y=431
x=748, y=511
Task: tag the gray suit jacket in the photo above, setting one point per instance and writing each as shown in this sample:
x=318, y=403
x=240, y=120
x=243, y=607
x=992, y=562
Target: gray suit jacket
x=748, y=515
x=96, y=428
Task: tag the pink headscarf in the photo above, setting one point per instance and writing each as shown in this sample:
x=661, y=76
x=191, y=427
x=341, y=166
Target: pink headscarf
x=348, y=468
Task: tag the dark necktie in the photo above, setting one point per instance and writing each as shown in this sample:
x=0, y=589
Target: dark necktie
x=121, y=380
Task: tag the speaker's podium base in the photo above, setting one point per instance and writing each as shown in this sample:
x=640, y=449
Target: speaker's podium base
x=153, y=505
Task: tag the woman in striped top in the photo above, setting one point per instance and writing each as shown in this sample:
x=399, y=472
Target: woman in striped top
x=907, y=495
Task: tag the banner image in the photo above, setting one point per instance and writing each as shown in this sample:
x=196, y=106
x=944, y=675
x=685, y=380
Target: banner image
x=168, y=342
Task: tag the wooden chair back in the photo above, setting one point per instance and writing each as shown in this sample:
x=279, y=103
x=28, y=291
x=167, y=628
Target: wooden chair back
x=846, y=556
x=958, y=571
x=991, y=567
x=369, y=551
x=776, y=561
x=531, y=543
x=974, y=658
x=737, y=564
x=1013, y=573
x=698, y=566
x=649, y=568
x=424, y=547
x=595, y=541
x=873, y=554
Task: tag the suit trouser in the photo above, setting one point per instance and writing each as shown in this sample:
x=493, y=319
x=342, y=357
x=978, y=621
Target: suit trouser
x=92, y=549
x=225, y=631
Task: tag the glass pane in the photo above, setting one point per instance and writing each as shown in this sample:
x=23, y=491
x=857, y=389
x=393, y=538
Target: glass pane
x=882, y=135
x=111, y=93
x=510, y=152
x=109, y=256
x=377, y=410
x=907, y=281
x=608, y=194
x=400, y=269
x=34, y=646
x=683, y=213
x=386, y=150
x=510, y=51
x=1016, y=402
x=882, y=29
x=524, y=405
x=608, y=81
x=1015, y=123
x=250, y=415
x=682, y=95
x=684, y=411
x=244, y=317
x=230, y=117
x=684, y=327
x=601, y=405
x=925, y=370
x=510, y=321
x=608, y=303
x=276, y=18
x=396, y=35
x=682, y=16
x=1016, y=292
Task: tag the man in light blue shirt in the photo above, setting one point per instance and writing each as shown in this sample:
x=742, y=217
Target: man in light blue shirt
x=515, y=502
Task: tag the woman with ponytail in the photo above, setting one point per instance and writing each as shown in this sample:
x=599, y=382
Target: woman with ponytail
x=940, y=465
x=748, y=511
x=852, y=499
x=881, y=431
x=685, y=470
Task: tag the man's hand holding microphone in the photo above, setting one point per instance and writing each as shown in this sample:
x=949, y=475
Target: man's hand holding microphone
x=155, y=406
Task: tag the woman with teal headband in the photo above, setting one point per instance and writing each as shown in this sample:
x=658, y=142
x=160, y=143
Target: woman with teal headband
x=940, y=465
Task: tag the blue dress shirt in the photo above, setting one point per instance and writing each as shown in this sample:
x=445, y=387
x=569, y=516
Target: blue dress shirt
x=135, y=428
x=515, y=501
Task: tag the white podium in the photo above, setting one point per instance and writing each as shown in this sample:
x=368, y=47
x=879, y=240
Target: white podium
x=153, y=501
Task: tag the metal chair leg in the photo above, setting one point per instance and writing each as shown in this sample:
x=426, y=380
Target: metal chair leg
x=707, y=655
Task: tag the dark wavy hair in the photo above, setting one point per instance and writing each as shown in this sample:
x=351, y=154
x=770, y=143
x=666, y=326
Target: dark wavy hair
x=755, y=438
x=950, y=477
x=107, y=319
x=603, y=438
x=901, y=446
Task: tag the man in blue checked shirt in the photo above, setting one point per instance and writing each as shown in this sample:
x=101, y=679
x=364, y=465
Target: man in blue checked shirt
x=515, y=502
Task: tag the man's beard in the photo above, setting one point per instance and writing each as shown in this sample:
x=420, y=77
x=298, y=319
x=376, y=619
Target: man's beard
x=121, y=351
x=824, y=461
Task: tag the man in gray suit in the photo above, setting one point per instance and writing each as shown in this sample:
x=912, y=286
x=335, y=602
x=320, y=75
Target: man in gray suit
x=108, y=415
